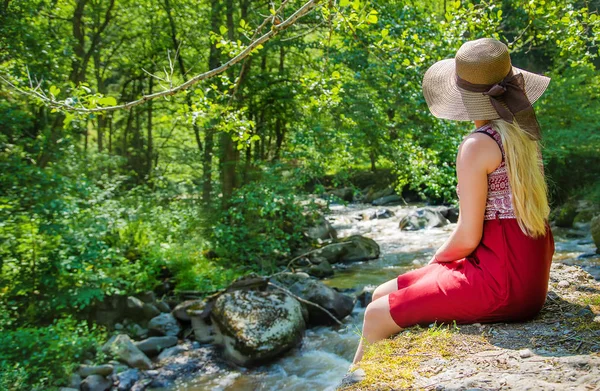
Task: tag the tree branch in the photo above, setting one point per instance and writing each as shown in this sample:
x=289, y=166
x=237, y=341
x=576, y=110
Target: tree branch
x=275, y=29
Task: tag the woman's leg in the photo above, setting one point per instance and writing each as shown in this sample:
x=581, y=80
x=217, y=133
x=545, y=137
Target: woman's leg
x=385, y=289
x=377, y=325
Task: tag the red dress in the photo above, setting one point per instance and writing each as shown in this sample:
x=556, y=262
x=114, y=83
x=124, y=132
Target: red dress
x=504, y=279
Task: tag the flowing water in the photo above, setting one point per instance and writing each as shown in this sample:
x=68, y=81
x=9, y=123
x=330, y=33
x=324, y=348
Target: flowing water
x=326, y=352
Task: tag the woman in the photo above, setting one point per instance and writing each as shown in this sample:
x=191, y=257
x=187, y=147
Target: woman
x=495, y=266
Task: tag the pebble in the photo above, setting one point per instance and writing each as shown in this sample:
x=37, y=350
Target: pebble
x=525, y=353
x=597, y=319
x=564, y=283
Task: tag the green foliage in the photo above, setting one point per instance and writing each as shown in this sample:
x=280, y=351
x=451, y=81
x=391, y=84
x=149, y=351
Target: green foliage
x=264, y=223
x=40, y=358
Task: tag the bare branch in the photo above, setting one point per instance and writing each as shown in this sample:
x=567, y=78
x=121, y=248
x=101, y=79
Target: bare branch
x=275, y=29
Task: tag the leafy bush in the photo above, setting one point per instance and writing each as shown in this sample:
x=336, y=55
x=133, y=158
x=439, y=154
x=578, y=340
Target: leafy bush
x=264, y=224
x=40, y=358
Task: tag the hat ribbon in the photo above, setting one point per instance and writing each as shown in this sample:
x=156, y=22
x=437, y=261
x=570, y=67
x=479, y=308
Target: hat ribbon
x=511, y=92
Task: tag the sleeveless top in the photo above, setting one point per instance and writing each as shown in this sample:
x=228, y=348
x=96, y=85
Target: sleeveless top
x=499, y=194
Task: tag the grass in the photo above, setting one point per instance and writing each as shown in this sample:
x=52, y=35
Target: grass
x=392, y=363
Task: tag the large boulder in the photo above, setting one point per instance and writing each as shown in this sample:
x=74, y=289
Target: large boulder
x=257, y=326
x=123, y=349
x=422, y=218
x=449, y=212
x=301, y=285
x=164, y=324
x=595, y=228
x=354, y=248
x=154, y=345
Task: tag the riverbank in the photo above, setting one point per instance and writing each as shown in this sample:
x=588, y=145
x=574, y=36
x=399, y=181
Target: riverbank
x=558, y=350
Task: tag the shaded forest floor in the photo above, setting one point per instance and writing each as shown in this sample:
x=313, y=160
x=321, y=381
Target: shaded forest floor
x=559, y=350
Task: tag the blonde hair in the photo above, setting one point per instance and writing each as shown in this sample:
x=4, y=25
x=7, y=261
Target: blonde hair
x=526, y=177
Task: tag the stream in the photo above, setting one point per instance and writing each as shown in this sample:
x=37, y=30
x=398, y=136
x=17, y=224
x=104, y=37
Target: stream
x=326, y=353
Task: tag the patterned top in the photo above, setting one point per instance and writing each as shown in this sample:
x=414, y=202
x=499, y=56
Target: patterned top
x=499, y=196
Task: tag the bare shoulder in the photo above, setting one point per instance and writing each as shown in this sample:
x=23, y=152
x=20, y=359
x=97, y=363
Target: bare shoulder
x=480, y=150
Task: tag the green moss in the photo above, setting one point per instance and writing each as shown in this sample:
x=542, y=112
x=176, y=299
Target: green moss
x=392, y=363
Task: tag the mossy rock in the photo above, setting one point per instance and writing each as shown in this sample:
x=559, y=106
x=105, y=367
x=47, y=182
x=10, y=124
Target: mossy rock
x=564, y=215
x=595, y=228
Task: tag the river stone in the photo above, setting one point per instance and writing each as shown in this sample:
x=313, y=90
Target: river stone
x=564, y=215
x=164, y=324
x=150, y=311
x=388, y=200
x=135, y=306
x=450, y=213
x=374, y=195
x=346, y=193
x=422, y=218
x=180, y=310
x=203, y=330
x=257, y=326
x=354, y=248
x=95, y=383
x=595, y=228
x=147, y=297
x=302, y=285
x=321, y=270
x=154, y=345
x=321, y=229
x=122, y=348
x=163, y=306
x=102, y=370
x=127, y=379
x=172, y=351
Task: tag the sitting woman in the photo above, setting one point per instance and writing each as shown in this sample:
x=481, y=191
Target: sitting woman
x=495, y=266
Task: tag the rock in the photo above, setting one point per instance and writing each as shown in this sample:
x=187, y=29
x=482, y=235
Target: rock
x=68, y=389
x=381, y=214
x=595, y=228
x=141, y=384
x=102, y=370
x=321, y=229
x=255, y=327
x=147, y=297
x=154, y=345
x=321, y=270
x=354, y=248
x=353, y=377
x=150, y=311
x=118, y=327
x=127, y=379
x=75, y=381
x=302, y=285
x=164, y=324
x=173, y=351
x=180, y=310
x=450, y=213
x=564, y=215
x=110, y=310
x=203, y=329
x=374, y=195
x=122, y=348
x=135, y=306
x=365, y=296
x=564, y=283
x=345, y=194
x=597, y=319
x=163, y=306
x=137, y=331
x=392, y=199
x=423, y=218
x=96, y=383
x=525, y=353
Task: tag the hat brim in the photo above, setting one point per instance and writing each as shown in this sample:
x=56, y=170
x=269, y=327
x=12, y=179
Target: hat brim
x=446, y=100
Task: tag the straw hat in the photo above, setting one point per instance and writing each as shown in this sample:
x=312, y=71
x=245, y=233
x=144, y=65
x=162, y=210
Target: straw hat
x=485, y=61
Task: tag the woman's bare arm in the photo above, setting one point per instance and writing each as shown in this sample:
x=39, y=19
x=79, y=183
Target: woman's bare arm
x=477, y=156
